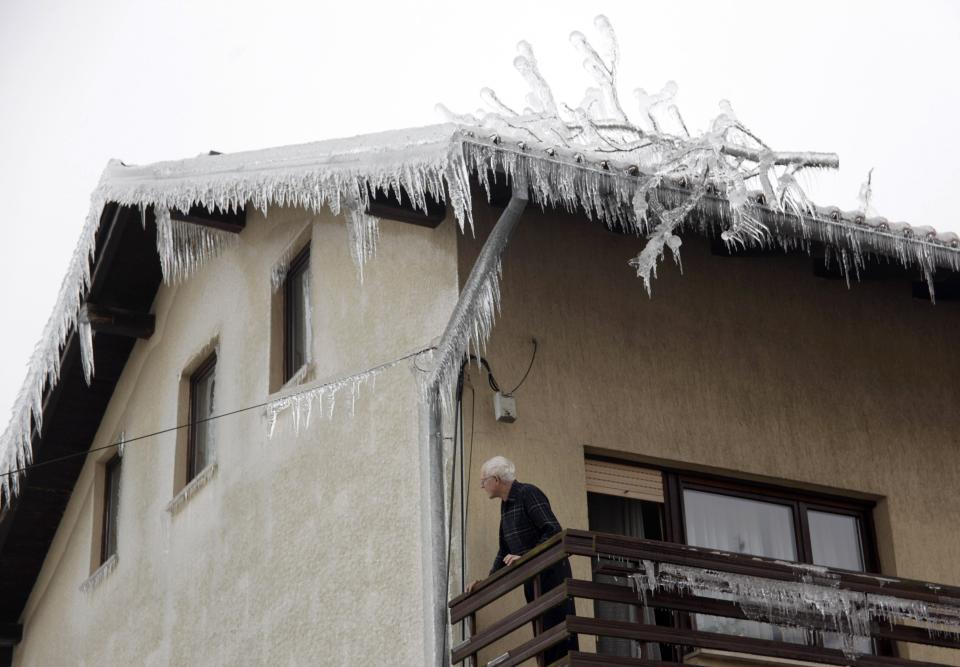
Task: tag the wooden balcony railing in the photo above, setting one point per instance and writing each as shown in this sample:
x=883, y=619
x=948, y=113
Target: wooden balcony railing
x=873, y=611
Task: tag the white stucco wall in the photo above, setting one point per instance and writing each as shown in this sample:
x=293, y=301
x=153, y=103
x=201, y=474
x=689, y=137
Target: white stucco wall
x=301, y=549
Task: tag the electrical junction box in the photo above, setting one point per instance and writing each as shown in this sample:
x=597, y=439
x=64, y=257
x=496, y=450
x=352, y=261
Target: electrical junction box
x=505, y=408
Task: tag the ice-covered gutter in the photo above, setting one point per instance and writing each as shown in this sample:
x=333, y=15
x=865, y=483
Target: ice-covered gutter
x=436, y=161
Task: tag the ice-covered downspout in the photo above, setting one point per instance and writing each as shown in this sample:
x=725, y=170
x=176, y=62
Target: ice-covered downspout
x=472, y=319
x=469, y=325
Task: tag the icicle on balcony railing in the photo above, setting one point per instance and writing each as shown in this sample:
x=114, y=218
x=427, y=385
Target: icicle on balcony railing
x=865, y=610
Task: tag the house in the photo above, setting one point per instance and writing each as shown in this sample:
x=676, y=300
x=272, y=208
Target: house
x=252, y=431
x=307, y=524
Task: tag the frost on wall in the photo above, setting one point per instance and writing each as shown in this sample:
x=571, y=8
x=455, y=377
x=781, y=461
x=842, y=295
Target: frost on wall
x=636, y=168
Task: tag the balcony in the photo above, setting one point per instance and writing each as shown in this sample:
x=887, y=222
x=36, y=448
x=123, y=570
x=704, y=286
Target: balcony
x=874, y=621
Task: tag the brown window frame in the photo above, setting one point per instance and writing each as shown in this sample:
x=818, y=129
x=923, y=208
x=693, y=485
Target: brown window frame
x=209, y=365
x=110, y=468
x=300, y=263
x=800, y=502
x=676, y=480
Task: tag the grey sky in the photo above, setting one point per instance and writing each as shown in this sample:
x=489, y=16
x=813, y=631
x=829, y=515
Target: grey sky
x=142, y=81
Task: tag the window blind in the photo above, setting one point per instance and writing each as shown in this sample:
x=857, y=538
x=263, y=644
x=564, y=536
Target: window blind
x=624, y=481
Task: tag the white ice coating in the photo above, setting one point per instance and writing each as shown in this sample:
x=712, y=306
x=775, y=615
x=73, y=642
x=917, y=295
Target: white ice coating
x=199, y=481
x=471, y=331
x=278, y=272
x=90, y=583
x=647, y=175
x=85, y=331
x=184, y=247
x=816, y=595
x=321, y=399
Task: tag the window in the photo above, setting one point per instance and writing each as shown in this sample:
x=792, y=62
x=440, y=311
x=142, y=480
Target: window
x=296, y=315
x=200, y=438
x=775, y=523
x=730, y=515
x=111, y=506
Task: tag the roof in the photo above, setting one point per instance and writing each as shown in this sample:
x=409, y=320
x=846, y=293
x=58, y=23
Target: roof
x=436, y=162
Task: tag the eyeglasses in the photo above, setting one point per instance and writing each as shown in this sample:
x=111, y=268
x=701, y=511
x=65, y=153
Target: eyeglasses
x=483, y=480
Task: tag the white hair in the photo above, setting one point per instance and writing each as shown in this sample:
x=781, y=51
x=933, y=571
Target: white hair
x=501, y=467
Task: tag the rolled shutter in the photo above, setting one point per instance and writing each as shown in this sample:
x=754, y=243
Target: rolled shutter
x=625, y=481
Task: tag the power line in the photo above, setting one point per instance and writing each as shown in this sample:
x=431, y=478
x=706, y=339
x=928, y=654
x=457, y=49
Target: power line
x=125, y=441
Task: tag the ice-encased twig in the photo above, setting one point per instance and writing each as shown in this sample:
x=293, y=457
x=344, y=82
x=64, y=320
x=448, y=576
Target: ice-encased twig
x=545, y=145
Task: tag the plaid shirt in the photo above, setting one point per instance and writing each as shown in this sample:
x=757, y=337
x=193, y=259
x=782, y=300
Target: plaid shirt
x=526, y=520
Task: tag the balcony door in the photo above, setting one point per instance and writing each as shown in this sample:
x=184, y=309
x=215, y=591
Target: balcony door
x=624, y=500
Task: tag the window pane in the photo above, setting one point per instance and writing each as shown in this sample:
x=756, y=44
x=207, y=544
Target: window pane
x=111, y=514
x=739, y=524
x=835, y=540
x=297, y=314
x=746, y=526
x=202, y=402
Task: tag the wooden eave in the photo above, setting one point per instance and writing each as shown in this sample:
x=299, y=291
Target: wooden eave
x=125, y=278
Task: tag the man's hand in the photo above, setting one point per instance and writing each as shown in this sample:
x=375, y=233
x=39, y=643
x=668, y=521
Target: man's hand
x=471, y=586
x=510, y=559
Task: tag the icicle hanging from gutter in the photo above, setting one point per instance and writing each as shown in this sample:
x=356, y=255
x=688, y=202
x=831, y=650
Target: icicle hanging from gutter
x=184, y=246
x=364, y=231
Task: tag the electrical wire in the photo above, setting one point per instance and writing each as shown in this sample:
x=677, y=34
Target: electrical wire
x=126, y=441
x=492, y=381
x=453, y=486
x=524, y=378
x=473, y=412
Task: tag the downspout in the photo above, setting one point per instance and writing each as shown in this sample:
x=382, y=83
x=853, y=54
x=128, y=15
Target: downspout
x=450, y=352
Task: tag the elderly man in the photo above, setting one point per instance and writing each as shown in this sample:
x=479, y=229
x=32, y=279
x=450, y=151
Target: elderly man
x=526, y=520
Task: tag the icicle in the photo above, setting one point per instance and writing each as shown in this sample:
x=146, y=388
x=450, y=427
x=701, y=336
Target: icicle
x=186, y=493
x=184, y=247
x=85, y=331
x=363, y=231
x=95, y=579
x=816, y=595
x=594, y=158
x=300, y=404
x=663, y=237
x=278, y=272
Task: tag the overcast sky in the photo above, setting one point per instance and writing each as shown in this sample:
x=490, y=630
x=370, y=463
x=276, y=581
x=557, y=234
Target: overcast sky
x=83, y=82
